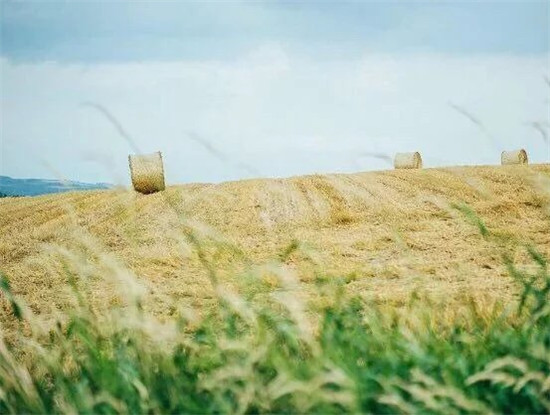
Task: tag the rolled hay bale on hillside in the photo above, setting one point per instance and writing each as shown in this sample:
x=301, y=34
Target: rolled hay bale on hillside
x=147, y=172
x=514, y=157
x=408, y=160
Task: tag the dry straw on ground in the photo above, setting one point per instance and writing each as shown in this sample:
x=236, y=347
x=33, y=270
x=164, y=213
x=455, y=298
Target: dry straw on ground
x=408, y=160
x=388, y=233
x=147, y=172
x=514, y=157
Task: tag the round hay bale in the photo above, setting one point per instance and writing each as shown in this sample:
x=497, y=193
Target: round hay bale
x=408, y=160
x=514, y=157
x=147, y=172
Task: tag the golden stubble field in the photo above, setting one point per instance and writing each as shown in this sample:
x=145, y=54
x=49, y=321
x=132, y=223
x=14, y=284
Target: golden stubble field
x=385, y=234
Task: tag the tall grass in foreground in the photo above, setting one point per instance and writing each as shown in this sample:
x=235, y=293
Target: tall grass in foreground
x=263, y=350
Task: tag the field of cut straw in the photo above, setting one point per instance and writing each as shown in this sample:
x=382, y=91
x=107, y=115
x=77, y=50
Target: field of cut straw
x=408, y=290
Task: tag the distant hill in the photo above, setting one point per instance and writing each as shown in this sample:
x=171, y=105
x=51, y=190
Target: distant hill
x=34, y=187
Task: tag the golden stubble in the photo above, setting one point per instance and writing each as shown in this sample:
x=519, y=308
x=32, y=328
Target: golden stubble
x=387, y=235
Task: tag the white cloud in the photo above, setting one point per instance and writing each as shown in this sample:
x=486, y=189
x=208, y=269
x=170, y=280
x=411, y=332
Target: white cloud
x=280, y=114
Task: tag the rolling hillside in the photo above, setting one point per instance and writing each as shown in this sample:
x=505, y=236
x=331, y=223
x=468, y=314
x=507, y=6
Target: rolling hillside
x=386, y=234
x=34, y=187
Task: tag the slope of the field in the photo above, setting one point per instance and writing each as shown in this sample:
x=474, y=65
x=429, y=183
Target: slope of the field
x=387, y=233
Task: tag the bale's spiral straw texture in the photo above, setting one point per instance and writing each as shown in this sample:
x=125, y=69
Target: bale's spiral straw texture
x=408, y=160
x=147, y=172
x=514, y=157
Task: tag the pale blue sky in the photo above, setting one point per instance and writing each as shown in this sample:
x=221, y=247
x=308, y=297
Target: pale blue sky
x=278, y=88
x=144, y=31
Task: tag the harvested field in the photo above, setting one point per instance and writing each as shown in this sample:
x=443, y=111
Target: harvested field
x=387, y=234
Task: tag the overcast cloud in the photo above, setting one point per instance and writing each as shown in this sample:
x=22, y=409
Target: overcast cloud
x=248, y=90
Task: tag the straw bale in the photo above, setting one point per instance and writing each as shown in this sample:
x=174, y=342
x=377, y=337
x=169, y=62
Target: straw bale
x=514, y=157
x=147, y=172
x=408, y=160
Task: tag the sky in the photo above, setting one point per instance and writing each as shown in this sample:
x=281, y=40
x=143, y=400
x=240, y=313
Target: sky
x=230, y=90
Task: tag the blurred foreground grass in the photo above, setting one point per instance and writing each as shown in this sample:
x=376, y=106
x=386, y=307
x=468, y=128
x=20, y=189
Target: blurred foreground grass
x=263, y=349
